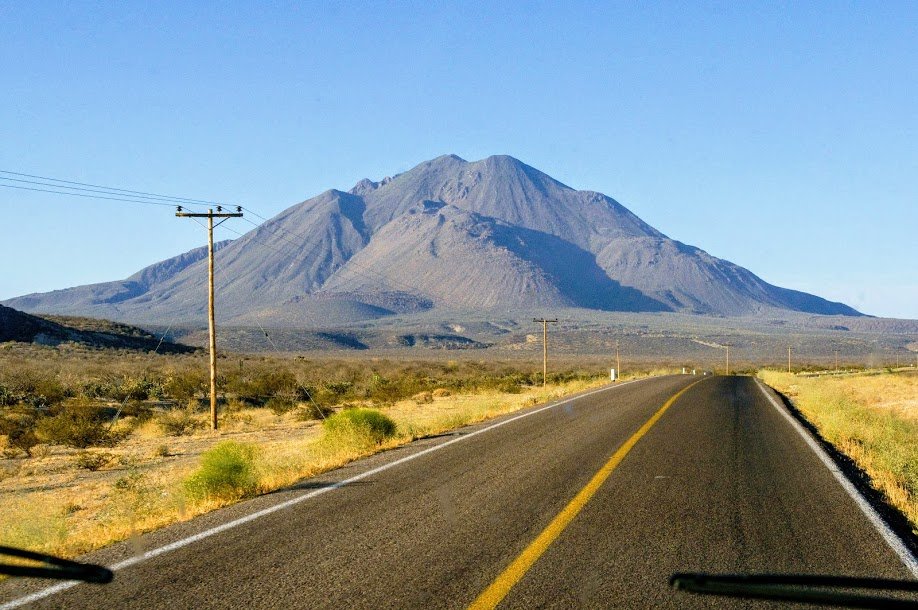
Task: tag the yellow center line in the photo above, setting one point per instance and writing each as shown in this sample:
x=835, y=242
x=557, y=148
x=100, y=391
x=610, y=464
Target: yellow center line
x=501, y=586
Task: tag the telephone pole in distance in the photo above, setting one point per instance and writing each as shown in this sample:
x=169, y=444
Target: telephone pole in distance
x=545, y=323
x=210, y=215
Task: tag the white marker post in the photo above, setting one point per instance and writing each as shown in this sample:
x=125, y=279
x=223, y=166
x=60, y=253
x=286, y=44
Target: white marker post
x=612, y=376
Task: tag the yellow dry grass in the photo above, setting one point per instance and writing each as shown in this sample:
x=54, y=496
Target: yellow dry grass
x=871, y=418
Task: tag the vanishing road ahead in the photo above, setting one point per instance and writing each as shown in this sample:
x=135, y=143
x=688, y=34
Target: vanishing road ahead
x=719, y=481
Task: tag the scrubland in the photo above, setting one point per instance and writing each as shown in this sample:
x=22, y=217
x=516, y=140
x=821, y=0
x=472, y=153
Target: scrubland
x=99, y=446
x=871, y=417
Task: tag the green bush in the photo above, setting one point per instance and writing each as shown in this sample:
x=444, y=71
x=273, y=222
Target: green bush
x=363, y=426
x=227, y=471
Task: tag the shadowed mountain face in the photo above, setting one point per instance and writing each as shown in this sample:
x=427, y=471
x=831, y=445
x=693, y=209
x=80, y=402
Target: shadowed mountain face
x=24, y=328
x=490, y=234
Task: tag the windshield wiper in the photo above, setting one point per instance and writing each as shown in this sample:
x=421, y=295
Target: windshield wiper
x=818, y=590
x=55, y=567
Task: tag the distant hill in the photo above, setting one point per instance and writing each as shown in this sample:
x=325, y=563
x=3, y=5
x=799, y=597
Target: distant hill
x=494, y=234
x=53, y=330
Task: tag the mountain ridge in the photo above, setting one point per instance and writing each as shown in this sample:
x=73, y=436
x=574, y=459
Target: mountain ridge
x=20, y=327
x=488, y=234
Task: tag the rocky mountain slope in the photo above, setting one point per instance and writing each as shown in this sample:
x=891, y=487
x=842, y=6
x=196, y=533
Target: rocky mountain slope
x=491, y=234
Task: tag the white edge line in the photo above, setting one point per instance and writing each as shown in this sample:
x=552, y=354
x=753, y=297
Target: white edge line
x=43, y=593
x=911, y=563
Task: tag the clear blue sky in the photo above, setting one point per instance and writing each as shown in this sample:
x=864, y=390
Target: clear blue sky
x=783, y=137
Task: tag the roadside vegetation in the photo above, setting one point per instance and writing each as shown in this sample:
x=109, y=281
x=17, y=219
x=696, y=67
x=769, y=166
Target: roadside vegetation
x=870, y=417
x=97, y=446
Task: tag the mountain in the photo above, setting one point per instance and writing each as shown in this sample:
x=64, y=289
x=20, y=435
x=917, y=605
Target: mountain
x=452, y=234
x=24, y=328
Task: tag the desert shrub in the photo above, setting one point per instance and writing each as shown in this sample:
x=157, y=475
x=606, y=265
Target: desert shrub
x=94, y=389
x=40, y=450
x=139, y=411
x=178, y=423
x=280, y=404
x=7, y=397
x=384, y=390
x=257, y=386
x=562, y=377
x=441, y=393
x=143, y=388
x=311, y=411
x=19, y=429
x=362, y=426
x=79, y=426
x=227, y=471
x=89, y=460
x=509, y=386
x=40, y=389
x=186, y=384
x=423, y=397
x=339, y=388
x=162, y=451
x=7, y=472
x=133, y=481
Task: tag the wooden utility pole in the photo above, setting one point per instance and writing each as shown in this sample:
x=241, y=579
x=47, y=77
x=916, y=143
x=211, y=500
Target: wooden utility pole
x=545, y=324
x=618, y=362
x=836, y=361
x=788, y=358
x=728, y=359
x=211, y=318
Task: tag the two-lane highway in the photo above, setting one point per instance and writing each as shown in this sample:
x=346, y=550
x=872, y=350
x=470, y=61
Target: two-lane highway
x=603, y=497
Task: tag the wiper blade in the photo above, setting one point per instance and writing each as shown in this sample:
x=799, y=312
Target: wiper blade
x=55, y=567
x=817, y=590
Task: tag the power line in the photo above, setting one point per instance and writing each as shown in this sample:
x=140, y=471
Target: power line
x=110, y=188
x=114, y=194
x=26, y=188
x=158, y=200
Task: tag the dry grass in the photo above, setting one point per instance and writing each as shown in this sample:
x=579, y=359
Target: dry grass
x=48, y=502
x=871, y=418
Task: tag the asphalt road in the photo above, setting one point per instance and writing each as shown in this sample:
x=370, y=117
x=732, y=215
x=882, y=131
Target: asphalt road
x=721, y=482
